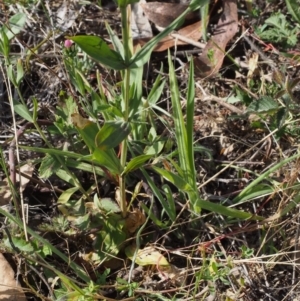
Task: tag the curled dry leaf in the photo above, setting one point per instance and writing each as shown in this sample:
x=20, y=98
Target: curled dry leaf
x=9, y=288
x=192, y=32
x=211, y=59
x=163, y=14
x=147, y=256
x=134, y=220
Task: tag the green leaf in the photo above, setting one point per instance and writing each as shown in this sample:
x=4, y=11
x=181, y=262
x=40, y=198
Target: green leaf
x=4, y=44
x=257, y=191
x=159, y=196
x=115, y=40
x=227, y=211
x=107, y=204
x=293, y=9
x=264, y=176
x=50, y=165
x=111, y=238
x=176, y=180
x=266, y=104
x=20, y=72
x=112, y=134
x=11, y=75
x=97, y=48
x=15, y=25
x=136, y=163
x=20, y=244
x=65, y=196
x=107, y=159
x=87, y=129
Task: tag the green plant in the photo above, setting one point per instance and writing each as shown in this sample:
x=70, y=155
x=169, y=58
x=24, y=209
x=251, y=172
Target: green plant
x=278, y=30
x=124, y=140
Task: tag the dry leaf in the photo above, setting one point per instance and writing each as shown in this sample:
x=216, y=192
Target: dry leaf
x=134, y=220
x=79, y=121
x=211, y=59
x=146, y=256
x=140, y=25
x=192, y=32
x=10, y=289
x=163, y=14
x=176, y=275
x=66, y=15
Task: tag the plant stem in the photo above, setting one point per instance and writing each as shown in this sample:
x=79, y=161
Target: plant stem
x=127, y=43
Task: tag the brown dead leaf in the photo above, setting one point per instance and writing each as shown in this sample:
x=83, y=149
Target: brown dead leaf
x=162, y=14
x=211, y=59
x=9, y=288
x=191, y=32
x=134, y=220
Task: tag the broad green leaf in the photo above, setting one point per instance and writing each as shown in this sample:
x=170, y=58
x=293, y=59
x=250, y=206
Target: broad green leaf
x=155, y=148
x=87, y=129
x=15, y=25
x=97, y=48
x=136, y=163
x=265, y=104
x=112, y=134
x=62, y=174
x=107, y=159
x=23, y=111
x=111, y=238
x=50, y=165
x=106, y=204
x=84, y=166
x=20, y=244
x=65, y=196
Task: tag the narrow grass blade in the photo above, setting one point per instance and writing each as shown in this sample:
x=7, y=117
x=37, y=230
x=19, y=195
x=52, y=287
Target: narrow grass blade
x=265, y=175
